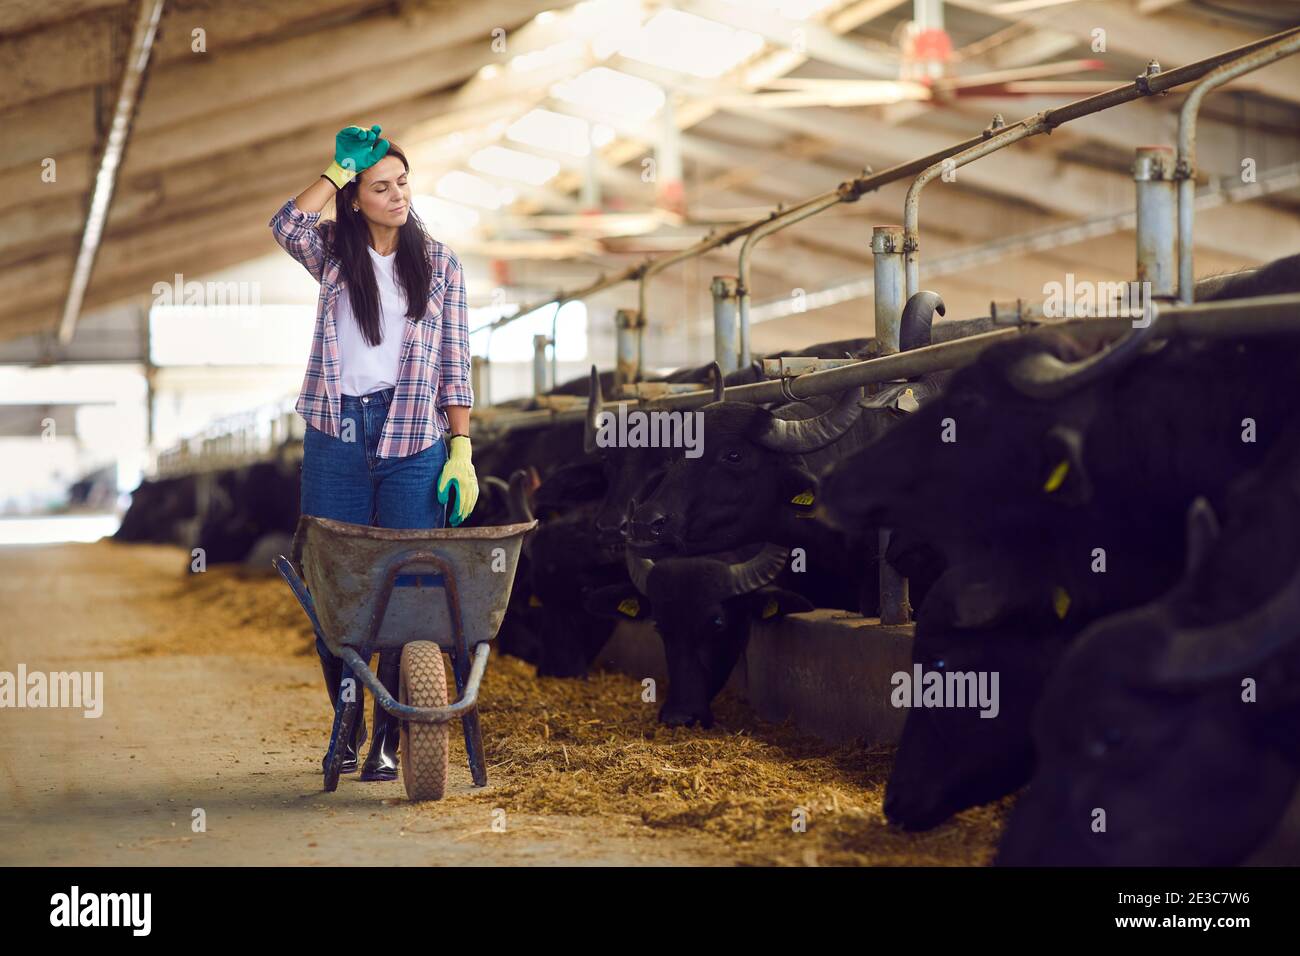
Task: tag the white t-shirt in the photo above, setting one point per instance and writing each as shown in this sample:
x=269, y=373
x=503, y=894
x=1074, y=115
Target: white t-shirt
x=364, y=368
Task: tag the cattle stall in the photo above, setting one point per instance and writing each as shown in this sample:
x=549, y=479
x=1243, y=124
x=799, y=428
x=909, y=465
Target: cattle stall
x=883, y=416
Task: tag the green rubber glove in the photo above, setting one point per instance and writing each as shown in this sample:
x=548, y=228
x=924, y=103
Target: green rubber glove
x=459, y=471
x=355, y=149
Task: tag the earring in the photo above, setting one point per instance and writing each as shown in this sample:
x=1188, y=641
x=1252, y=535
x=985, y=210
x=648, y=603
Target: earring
x=356, y=208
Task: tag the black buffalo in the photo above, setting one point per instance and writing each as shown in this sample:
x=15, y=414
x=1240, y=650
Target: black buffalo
x=951, y=758
x=703, y=608
x=1044, y=471
x=1180, y=720
x=159, y=509
x=245, y=503
x=756, y=479
x=565, y=563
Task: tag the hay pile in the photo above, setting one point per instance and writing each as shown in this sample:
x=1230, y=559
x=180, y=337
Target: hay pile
x=226, y=610
x=591, y=748
x=594, y=748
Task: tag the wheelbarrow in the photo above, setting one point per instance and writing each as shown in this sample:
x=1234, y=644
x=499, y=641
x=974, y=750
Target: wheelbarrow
x=425, y=591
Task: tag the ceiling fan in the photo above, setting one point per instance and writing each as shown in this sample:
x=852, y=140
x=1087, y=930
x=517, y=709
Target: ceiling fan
x=927, y=63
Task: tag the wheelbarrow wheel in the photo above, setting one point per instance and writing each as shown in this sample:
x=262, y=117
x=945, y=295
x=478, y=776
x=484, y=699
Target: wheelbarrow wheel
x=423, y=683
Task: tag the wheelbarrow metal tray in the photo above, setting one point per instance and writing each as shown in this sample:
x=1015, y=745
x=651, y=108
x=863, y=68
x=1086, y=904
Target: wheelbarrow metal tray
x=404, y=584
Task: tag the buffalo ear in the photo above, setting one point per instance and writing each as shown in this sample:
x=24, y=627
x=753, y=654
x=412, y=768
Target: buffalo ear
x=572, y=485
x=619, y=601
x=769, y=602
x=1202, y=533
x=900, y=396
x=1065, y=479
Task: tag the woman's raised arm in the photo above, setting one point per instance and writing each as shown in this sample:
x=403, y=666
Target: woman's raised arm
x=315, y=196
x=296, y=226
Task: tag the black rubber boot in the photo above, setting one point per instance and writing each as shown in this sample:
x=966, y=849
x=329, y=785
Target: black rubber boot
x=332, y=668
x=381, y=762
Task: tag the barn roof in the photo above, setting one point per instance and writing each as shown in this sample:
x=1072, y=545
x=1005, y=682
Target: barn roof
x=241, y=99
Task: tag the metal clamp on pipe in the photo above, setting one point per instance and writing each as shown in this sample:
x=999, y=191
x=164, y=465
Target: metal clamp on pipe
x=1012, y=312
x=792, y=365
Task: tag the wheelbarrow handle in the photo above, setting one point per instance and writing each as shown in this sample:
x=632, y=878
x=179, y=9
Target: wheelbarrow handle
x=286, y=569
x=434, y=715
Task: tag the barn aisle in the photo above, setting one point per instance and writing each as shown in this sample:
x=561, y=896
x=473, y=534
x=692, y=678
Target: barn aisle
x=211, y=704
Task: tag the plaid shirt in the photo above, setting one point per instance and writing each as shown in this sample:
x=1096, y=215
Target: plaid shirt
x=435, y=355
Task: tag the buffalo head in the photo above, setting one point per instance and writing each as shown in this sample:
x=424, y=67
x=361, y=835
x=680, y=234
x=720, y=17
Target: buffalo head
x=702, y=608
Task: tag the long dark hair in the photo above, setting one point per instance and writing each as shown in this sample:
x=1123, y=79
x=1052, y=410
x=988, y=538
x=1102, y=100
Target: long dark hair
x=351, y=241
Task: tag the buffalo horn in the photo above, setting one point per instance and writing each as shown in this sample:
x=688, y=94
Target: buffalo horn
x=638, y=569
x=1204, y=654
x=715, y=376
x=1202, y=533
x=918, y=314
x=808, y=434
x=761, y=569
x=520, y=509
x=1044, y=376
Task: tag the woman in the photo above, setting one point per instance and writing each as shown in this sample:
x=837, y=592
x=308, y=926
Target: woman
x=387, y=392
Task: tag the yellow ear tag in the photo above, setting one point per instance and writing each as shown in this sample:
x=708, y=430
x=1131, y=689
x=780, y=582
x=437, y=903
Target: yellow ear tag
x=803, y=498
x=1057, y=477
x=629, y=606
x=770, y=608
x=1060, y=602
x=534, y=601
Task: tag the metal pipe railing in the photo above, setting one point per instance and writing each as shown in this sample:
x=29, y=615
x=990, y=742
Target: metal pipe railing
x=1153, y=181
x=1263, y=315
x=1213, y=195
x=1146, y=85
x=555, y=350
x=888, y=284
x=627, y=351
x=539, y=364
x=725, y=346
x=887, y=262
x=1185, y=167
x=998, y=136
x=709, y=243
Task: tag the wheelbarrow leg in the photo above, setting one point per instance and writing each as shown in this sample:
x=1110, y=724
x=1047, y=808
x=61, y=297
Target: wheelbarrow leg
x=345, y=717
x=332, y=668
x=473, y=732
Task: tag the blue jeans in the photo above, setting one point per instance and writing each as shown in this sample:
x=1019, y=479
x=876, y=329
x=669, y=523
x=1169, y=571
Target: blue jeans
x=346, y=481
